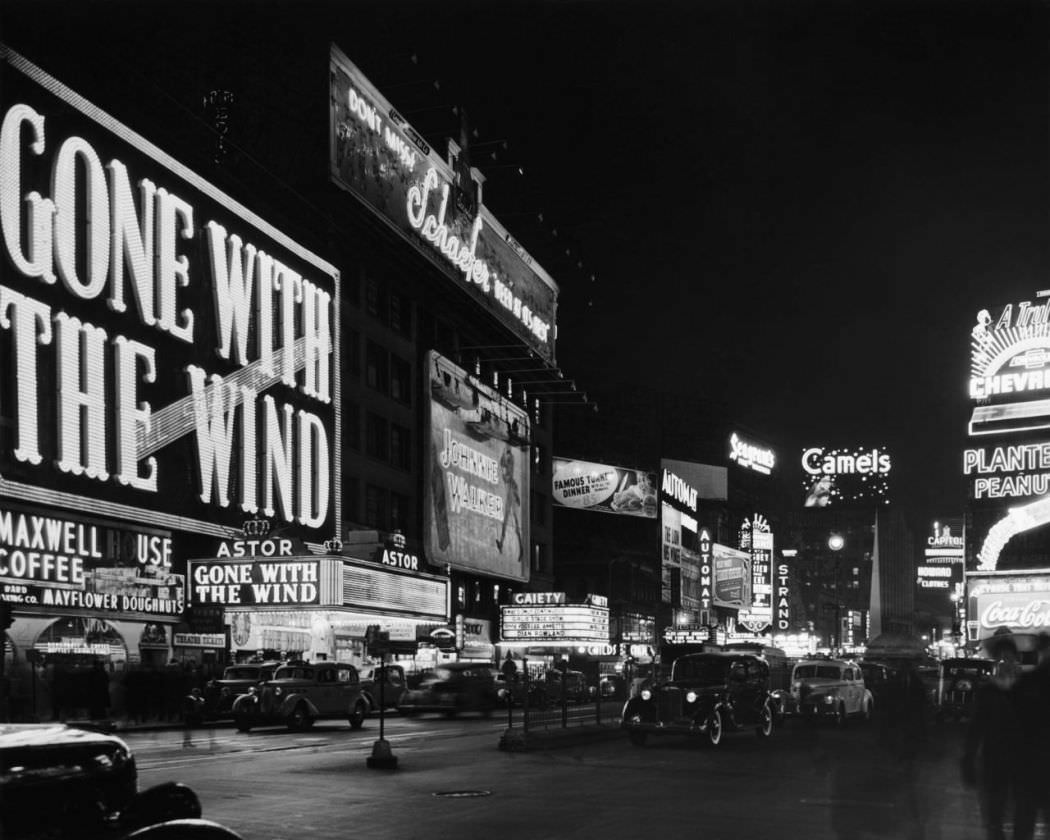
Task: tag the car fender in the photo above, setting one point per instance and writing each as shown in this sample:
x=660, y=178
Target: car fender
x=246, y=704
x=191, y=829
x=289, y=703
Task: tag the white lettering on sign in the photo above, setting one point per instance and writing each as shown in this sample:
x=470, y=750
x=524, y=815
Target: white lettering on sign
x=679, y=490
x=816, y=462
x=753, y=457
x=90, y=240
x=400, y=560
x=262, y=583
x=460, y=253
x=1034, y=614
x=783, y=610
x=538, y=598
x=255, y=548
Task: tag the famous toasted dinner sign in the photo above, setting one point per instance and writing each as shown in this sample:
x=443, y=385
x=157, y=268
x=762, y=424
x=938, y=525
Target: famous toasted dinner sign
x=171, y=354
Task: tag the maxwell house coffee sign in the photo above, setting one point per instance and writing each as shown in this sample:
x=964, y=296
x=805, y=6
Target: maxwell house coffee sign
x=380, y=158
x=168, y=356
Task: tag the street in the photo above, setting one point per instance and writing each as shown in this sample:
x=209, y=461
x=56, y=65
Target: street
x=806, y=781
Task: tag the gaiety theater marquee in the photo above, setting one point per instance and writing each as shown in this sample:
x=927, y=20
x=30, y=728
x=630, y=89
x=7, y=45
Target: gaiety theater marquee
x=171, y=352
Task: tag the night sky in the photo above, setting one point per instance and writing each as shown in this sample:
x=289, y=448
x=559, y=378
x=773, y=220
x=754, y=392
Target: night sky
x=794, y=208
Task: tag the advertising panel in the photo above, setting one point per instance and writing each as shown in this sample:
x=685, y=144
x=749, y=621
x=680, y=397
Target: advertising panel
x=756, y=537
x=476, y=476
x=1007, y=469
x=750, y=455
x=557, y=622
x=845, y=477
x=941, y=570
x=59, y=563
x=782, y=599
x=582, y=485
x=269, y=583
x=378, y=157
x=732, y=577
x=167, y=355
x=1018, y=602
x=682, y=485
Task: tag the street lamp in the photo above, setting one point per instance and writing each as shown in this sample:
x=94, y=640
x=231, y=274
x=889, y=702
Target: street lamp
x=836, y=542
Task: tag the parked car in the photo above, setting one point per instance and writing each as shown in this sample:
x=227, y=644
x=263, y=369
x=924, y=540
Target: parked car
x=707, y=695
x=300, y=694
x=382, y=685
x=516, y=690
x=612, y=687
x=959, y=681
x=575, y=689
x=82, y=782
x=830, y=688
x=219, y=694
x=878, y=676
x=453, y=688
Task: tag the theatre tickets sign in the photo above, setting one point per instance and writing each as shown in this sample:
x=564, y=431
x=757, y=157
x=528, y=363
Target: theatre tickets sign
x=376, y=155
x=168, y=356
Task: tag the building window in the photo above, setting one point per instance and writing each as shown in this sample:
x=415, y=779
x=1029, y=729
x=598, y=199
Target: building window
x=539, y=557
x=539, y=509
x=377, y=437
x=353, y=353
x=399, y=512
x=400, y=380
x=352, y=415
x=400, y=447
x=377, y=368
x=376, y=299
x=400, y=314
x=375, y=507
x=352, y=498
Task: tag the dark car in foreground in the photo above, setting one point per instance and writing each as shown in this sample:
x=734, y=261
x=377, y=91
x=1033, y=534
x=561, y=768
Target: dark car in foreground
x=302, y=693
x=219, y=694
x=959, y=680
x=59, y=781
x=707, y=695
x=451, y=689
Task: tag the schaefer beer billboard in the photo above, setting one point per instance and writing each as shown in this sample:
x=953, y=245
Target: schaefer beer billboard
x=380, y=158
x=477, y=476
x=167, y=355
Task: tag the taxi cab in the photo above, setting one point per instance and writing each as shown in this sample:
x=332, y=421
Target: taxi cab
x=830, y=688
x=299, y=694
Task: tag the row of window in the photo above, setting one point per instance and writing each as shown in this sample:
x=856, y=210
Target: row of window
x=384, y=439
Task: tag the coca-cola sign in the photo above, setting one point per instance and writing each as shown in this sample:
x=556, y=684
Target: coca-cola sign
x=1019, y=602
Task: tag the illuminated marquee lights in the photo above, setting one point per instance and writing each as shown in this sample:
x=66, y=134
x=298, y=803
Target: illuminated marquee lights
x=1032, y=460
x=1018, y=340
x=679, y=490
x=100, y=245
x=1015, y=522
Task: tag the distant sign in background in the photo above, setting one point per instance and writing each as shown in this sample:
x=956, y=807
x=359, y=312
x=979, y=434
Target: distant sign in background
x=848, y=477
x=732, y=577
x=583, y=485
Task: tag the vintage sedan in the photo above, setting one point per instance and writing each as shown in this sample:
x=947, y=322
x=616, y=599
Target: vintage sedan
x=383, y=685
x=453, y=688
x=219, y=694
x=300, y=694
x=707, y=695
x=832, y=689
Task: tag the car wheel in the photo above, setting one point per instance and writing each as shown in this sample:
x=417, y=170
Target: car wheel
x=357, y=716
x=638, y=738
x=714, y=728
x=299, y=719
x=242, y=724
x=765, y=722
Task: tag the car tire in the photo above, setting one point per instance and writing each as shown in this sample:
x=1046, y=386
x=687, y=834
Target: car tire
x=765, y=722
x=356, y=718
x=242, y=724
x=299, y=720
x=638, y=738
x=714, y=728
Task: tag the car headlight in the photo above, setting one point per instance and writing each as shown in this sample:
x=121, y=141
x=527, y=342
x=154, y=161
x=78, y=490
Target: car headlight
x=828, y=699
x=252, y=690
x=691, y=696
x=646, y=694
x=277, y=691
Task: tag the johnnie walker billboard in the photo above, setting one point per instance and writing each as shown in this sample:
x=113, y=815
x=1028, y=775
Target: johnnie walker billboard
x=167, y=355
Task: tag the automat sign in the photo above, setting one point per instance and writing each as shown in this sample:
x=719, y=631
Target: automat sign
x=172, y=352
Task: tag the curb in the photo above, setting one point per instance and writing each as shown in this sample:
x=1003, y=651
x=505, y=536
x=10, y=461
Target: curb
x=515, y=739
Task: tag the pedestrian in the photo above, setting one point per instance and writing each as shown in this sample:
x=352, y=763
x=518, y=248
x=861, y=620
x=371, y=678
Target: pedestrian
x=98, y=691
x=1032, y=699
x=992, y=742
x=509, y=669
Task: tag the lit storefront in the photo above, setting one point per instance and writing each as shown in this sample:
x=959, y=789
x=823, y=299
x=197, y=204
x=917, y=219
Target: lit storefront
x=168, y=373
x=546, y=627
